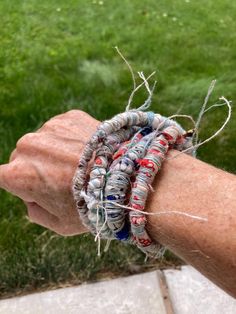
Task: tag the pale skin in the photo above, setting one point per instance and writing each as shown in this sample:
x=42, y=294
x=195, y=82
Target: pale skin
x=41, y=168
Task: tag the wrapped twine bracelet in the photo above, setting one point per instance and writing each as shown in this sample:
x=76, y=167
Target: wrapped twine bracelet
x=126, y=154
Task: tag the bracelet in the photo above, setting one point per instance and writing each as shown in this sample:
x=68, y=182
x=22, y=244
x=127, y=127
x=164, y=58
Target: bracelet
x=125, y=154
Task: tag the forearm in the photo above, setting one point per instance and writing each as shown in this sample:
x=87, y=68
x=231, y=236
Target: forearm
x=43, y=164
x=188, y=185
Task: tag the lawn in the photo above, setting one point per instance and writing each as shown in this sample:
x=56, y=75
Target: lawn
x=59, y=55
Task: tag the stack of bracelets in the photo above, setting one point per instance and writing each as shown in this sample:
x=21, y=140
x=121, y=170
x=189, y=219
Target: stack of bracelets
x=116, y=170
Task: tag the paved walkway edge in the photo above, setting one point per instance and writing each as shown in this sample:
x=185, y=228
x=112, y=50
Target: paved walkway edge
x=164, y=292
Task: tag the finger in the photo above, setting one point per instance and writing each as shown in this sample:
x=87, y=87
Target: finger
x=12, y=180
x=41, y=216
x=3, y=176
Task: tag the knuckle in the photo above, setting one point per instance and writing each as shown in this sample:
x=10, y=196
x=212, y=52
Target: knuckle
x=25, y=140
x=13, y=155
x=77, y=113
x=49, y=125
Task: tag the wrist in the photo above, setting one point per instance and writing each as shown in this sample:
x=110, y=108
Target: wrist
x=171, y=188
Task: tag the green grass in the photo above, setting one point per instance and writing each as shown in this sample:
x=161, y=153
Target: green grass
x=59, y=55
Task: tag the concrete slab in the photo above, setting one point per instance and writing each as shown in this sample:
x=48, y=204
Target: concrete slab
x=191, y=292
x=136, y=294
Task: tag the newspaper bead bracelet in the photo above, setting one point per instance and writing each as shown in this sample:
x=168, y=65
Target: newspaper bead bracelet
x=126, y=153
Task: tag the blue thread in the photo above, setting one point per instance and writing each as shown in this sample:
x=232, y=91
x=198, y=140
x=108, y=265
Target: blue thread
x=123, y=234
x=113, y=215
x=111, y=197
x=146, y=131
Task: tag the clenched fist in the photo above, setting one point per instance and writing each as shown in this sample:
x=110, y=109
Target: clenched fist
x=41, y=169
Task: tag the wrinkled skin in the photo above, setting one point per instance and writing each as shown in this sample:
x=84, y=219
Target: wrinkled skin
x=41, y=169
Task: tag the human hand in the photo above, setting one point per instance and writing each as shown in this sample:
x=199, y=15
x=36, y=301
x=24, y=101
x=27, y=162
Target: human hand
x=41, y=169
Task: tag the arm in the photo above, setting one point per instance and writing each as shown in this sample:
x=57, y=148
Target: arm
x=189, y=185
x=42, y=166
